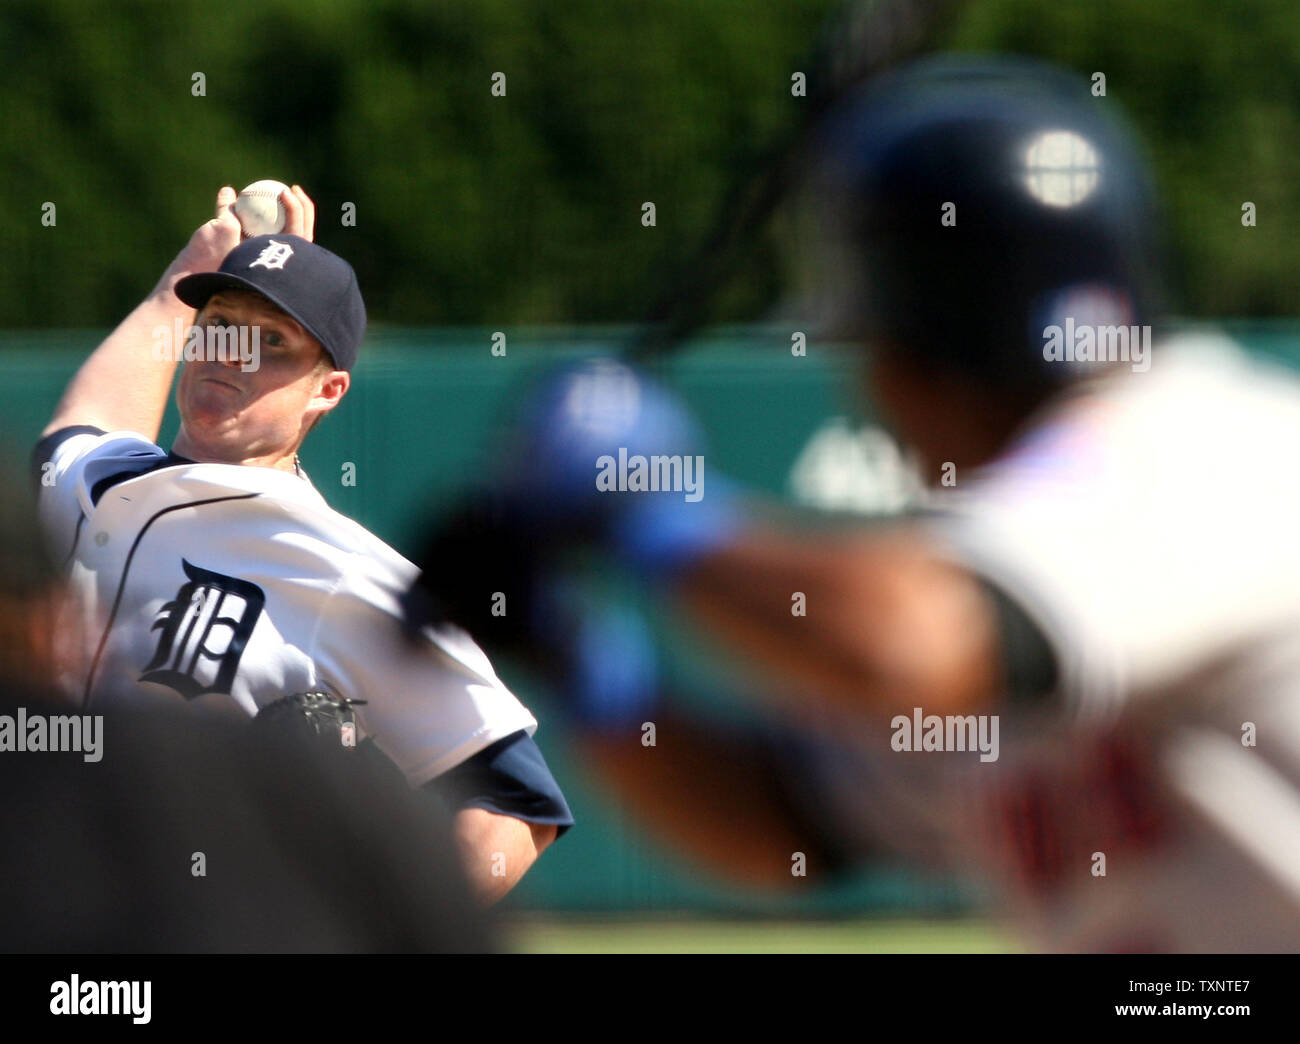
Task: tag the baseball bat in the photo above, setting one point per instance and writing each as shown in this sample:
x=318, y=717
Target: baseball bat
x=860, y=43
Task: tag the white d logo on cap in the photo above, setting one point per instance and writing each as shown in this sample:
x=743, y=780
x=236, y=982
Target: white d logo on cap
x=274, y=255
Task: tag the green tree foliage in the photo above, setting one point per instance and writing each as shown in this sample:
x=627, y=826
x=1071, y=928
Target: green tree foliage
x=527, y=208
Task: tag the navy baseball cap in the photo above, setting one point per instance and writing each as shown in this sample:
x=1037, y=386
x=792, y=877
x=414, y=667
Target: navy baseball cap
x=316, y=287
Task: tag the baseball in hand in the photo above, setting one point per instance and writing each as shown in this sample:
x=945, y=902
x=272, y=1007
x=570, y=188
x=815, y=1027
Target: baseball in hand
x=259, y=209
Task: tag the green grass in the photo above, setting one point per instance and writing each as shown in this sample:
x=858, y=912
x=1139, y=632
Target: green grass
x=675, y=934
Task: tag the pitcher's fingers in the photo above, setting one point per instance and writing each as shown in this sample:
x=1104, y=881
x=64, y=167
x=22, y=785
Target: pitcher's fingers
x=308, y=211
x=225, y=200
x=293, y=216
x=299, y=217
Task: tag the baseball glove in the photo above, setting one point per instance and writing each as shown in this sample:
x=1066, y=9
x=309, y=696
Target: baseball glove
x=318, y=715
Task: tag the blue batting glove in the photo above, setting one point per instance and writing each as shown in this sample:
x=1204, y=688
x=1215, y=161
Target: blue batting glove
x=602, y=451
x=604, y=664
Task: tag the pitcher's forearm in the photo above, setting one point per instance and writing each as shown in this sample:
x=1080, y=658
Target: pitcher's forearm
x=497, y=850
x=123, y=385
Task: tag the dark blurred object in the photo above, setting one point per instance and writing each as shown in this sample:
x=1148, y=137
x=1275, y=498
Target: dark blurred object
x=482, y=549
x=598, y=657
x=300, y=852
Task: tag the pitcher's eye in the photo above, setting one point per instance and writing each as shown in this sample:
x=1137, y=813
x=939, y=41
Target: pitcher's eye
x=272, y=338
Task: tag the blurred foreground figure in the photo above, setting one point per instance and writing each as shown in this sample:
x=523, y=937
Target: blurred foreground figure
x=161, y=832
x=1078, y=671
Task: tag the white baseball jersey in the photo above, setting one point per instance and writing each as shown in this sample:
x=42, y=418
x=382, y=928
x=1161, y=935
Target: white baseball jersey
x=229, y=586
x=1148, y=526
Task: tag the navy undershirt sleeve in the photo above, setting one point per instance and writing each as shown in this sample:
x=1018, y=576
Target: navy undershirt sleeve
x=509, y=777
x=45, y=448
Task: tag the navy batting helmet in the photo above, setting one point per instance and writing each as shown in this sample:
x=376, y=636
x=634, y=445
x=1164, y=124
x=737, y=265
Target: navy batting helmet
x=964, y=204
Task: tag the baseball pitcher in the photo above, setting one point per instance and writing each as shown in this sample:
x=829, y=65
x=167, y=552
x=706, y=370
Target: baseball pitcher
x=216, y=575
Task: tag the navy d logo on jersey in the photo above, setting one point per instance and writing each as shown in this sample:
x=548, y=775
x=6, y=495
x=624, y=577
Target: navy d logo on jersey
x=192, y=656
